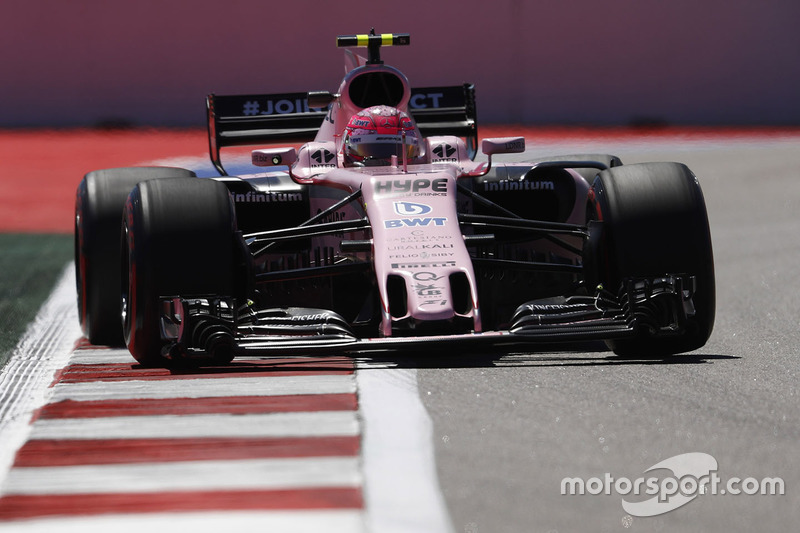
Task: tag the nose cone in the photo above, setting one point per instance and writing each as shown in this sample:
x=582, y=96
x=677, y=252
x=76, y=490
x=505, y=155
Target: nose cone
x=419, y=251
x=439, y=300
x=429, y=294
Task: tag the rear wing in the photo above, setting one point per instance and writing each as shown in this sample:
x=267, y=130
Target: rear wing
x=248, y=119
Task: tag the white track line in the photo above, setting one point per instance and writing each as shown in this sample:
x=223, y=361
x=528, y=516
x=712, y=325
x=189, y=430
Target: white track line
x=401, y=489
x=204, y=387
x=101, y=356
x=305, y=521
x=245, y=474
x=316, y=424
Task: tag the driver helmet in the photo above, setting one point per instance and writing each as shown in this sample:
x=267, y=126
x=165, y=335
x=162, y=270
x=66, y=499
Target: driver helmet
x=372, y=136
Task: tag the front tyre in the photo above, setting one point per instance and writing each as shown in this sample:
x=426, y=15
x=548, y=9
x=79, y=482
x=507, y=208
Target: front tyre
x=99, y=201
x=178, y=240
x=654, y=222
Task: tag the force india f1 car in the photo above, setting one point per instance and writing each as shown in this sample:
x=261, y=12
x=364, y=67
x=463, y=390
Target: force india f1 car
x=382, y=232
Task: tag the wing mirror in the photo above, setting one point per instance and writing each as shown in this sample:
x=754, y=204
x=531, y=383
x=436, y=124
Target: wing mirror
x=497, y=145
x=503, y=145
x=274, y=157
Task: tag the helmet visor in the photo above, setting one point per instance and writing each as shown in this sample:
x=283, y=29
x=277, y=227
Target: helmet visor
x=381, y=147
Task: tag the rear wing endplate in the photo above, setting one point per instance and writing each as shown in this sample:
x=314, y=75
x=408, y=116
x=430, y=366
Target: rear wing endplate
x=250, y=119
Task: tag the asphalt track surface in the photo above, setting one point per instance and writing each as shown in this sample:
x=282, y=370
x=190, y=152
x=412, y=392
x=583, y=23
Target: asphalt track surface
x=507, y=429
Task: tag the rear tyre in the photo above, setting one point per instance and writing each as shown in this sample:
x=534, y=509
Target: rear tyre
x=178, y=240
x=654, y=222
x=99, y=202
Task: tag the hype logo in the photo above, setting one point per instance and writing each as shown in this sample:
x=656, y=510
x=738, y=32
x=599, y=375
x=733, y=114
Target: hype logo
x=411, y=209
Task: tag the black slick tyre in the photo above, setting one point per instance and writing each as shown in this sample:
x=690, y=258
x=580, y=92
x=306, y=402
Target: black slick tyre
x=179, y=240
x=654, y=222
x=99, y=201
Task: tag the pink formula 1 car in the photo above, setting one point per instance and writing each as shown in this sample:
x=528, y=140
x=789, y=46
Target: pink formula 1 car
x=382, y=232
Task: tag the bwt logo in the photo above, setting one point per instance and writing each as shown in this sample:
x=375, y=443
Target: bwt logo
x=407, y=209
x=414, y=222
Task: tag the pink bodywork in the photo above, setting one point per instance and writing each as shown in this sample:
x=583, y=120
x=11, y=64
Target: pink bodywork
x=411, y=208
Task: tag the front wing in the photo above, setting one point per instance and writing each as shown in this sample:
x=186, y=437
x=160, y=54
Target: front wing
x=200, y=328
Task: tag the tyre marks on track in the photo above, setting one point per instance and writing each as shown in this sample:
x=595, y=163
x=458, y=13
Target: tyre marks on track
x=271, y=442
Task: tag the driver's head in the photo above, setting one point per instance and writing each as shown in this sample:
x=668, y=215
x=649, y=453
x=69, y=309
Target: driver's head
x=374, y=135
